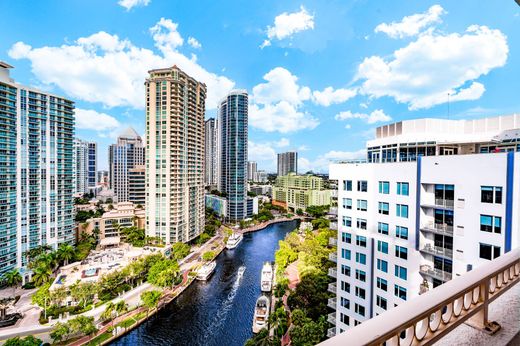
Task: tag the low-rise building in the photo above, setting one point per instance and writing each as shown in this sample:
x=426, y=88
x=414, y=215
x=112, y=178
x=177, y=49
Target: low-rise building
x=294, y=192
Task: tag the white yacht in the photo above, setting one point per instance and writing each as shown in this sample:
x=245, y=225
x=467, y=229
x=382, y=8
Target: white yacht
x=206, y=270
x=261, y=314
x=234, y=240
x=267, y=277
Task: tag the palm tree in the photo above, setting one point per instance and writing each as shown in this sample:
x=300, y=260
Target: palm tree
x=66, y=252
x=107, y=314
x=12, y=279
x=41, y=274
x=121, y=307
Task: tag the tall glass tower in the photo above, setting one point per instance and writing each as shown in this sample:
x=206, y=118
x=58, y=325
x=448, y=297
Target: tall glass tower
x=233, y=114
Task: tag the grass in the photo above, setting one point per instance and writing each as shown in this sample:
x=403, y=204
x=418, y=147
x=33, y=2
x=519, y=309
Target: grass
x=127, y=323
x=99, y=339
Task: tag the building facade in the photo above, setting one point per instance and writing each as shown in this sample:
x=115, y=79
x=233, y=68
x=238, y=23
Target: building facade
x=175, y=107
x=137, y=185
x=85, y=165
x=92, y=165
x=127, y=153
x=233, y=124
x=211, y=152
x=443, y=202
x=251, y=171
x=287, y=163
x=295, y=192
x=36, y=194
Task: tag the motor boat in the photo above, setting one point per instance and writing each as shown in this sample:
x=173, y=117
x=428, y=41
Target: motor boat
x=234, y=240
x=267, y=277
x=261, y=313
x=206, y=270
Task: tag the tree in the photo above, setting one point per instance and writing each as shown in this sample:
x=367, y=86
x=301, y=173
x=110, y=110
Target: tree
x=180, y=250
x=163, y=273
x=311, y=295
x=12, y=279
x=262, y=339
x=66, y=252
x=320, y=223
x=41, y=274
x=58, y=295
x=299, y=212
x=317, y=211
x=134, y=236
x=204, y=237
x=150, y=299
x=61, y=331
x=279, y=321
x=27, y=341
x=121, y=307
x=42, y=296
x=309, y=332
x=106, y=315
x=83, y=292
x=208, y=255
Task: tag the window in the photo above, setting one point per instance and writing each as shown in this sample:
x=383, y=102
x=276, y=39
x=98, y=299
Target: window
x=356, y=322
x=490, y=223
x=345, y=303
x=382, y=265
x=362, y=185
x=400, y=272
x=347, y=203
x=345, y=254
x=361, y=241
x=402, y=189
x=384, y=187
x=400, y=292
x=361, y=258
x=345, y=286
x=401, y=252
x=402, y=210
x=382, y=284
x=347, y=185
x=382, y=228
x=489, y=252
x=361, y=205
x=381, y=302
x=491, y=194
x=346, y=237
x=383, y=208
x=360, y=292
x=345, y=270
x=361, y=275
x=344, y=318
x=360, y=309
x=401, y=232
x=361, y=223
x=347, y=221
x=382, y=246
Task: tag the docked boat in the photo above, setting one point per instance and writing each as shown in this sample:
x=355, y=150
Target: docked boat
x=261, y=314
x=267, y=277
x=206, y=270
x=234, y=240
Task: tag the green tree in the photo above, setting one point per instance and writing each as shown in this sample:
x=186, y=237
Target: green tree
x=311, y=295
x=12, y=279
x=317, y=211
x=66, y=252
x=106, y=315
x=83, y=292
x=299, y=212
x=180, y=250
x=42, y=296
x=134, y=235
x=204, y=237
x=163, y=273
x=320, y=223
x=150, y=299
x=309, y=333
x=121, y=307
x=279, y=321
x=60, y=332
x=41, y=274
x=208, y=255
x=27, y=341
x=58, y=295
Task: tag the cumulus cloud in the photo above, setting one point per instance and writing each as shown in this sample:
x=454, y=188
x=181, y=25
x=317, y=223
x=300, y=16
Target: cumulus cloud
x=288, y=24
x=128, y=4
x=321, y=164
x=330, y=96
x=412, y=25
x=282, y=117
x=107, y=69
x=281, y=85
x=423, y=73
x=372, y=118
x=194, y=43
x=88, y=119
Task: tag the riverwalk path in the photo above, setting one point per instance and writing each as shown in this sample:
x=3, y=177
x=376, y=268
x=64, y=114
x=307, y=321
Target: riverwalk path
x=263, y=225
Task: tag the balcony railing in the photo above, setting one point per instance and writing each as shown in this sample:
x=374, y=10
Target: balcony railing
x=333, y=257
x=331, y=332
x=331, y=303
x=427, y=318
x=438, y=228
x=333, y=241
x=333, y=272
x=331, y=318
x=445, y=203
x=332, y=287
x=435, y=273
x=333, y=211
x=334, y=226
x=437, y=251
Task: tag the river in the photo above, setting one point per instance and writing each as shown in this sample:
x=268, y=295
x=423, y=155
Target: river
x=219, y=311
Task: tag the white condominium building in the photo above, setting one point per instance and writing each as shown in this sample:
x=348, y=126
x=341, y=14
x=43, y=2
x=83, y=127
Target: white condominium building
x=435, y=199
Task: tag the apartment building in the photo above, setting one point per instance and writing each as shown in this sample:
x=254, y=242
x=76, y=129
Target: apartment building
x=211, y=152
x=287, y=163
x=434, y=199
x=137, y=185
x=295, y=192
x=85, y=165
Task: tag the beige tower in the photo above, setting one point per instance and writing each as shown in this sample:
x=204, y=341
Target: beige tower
x=175, y=106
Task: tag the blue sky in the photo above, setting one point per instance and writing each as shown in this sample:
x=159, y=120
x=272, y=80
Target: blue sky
x=321, y=75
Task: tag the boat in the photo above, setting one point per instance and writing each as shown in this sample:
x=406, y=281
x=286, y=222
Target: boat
x=267, y=277
x=206, y=270
x=241, y=271
x=234, y=240
x=261, y=314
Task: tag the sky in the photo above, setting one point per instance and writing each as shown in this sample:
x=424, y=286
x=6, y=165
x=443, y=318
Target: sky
x=321, y=75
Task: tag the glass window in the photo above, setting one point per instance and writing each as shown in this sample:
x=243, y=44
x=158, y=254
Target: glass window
x=400, y=292
x=403, y=189
x=382, y=265
x=361, y=241
x=384, y=187
x=345, y=303
x=382, y=228
x=362, y=185
x=401, y=232
x=402, y=210
x=360, y=309
x=382, y=284
x=401, y=252
x=347, y=185
x=345, y=270
x=345, y=254
x=490, y=223
x=347, y=221
x=489, y=252
x=346, y=237
x=383, y=208
x=345, y=319
x=347, y=203
x=361, y=275
x=400, y=272
x=360, y=292
x=491, y=194
x=345, y=286
x=361, y=205
x=361, y=223
x=381, y=302
x=361, y=258
x=382, y=246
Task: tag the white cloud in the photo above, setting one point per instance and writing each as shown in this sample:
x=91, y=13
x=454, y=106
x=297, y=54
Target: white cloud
x=194, y=43
x=348, y=126
x=321, y=164
x=330, y=96
x=104, y=68
x=412, y=25
x=288, y=24
x=281, y=86
x=425, y=71
x=128, y=4
x=88, y=119
x=282, y=143
x=376, y=116
x=282, y=117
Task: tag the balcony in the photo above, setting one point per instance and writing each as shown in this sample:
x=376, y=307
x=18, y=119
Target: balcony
x=333, y=211
x=436, y=251
x=438, y=228
x=332, y=287
x=331, y=318
x=333, y=241
x=333, y=257
x=457, y=312
x=333, y=272
x=331, y=332
x=440, y=203
x=334, y=226
x=331, y=303
x=435, y=273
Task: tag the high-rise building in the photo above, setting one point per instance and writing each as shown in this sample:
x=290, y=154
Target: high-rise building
x=233, y=117
x=211, y=152
x=127, y=153
x=175, y=106
x=251, y=170
x=287, y=163
x=434, y=199
x=92, y=165
x=36, y=189
x=137, y=185
x=85, y=164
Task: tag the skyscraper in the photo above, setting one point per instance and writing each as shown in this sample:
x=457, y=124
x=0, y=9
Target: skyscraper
x=85, y=164
x=211, y=152
x=127, y=153
x=251, y=170
x=175, y=106
x=233, y=116
x=287, y=163
x=92, y=165
x=36, y=203
x=137, y=185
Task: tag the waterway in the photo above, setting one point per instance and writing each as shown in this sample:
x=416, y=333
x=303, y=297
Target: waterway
x=219, y=311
